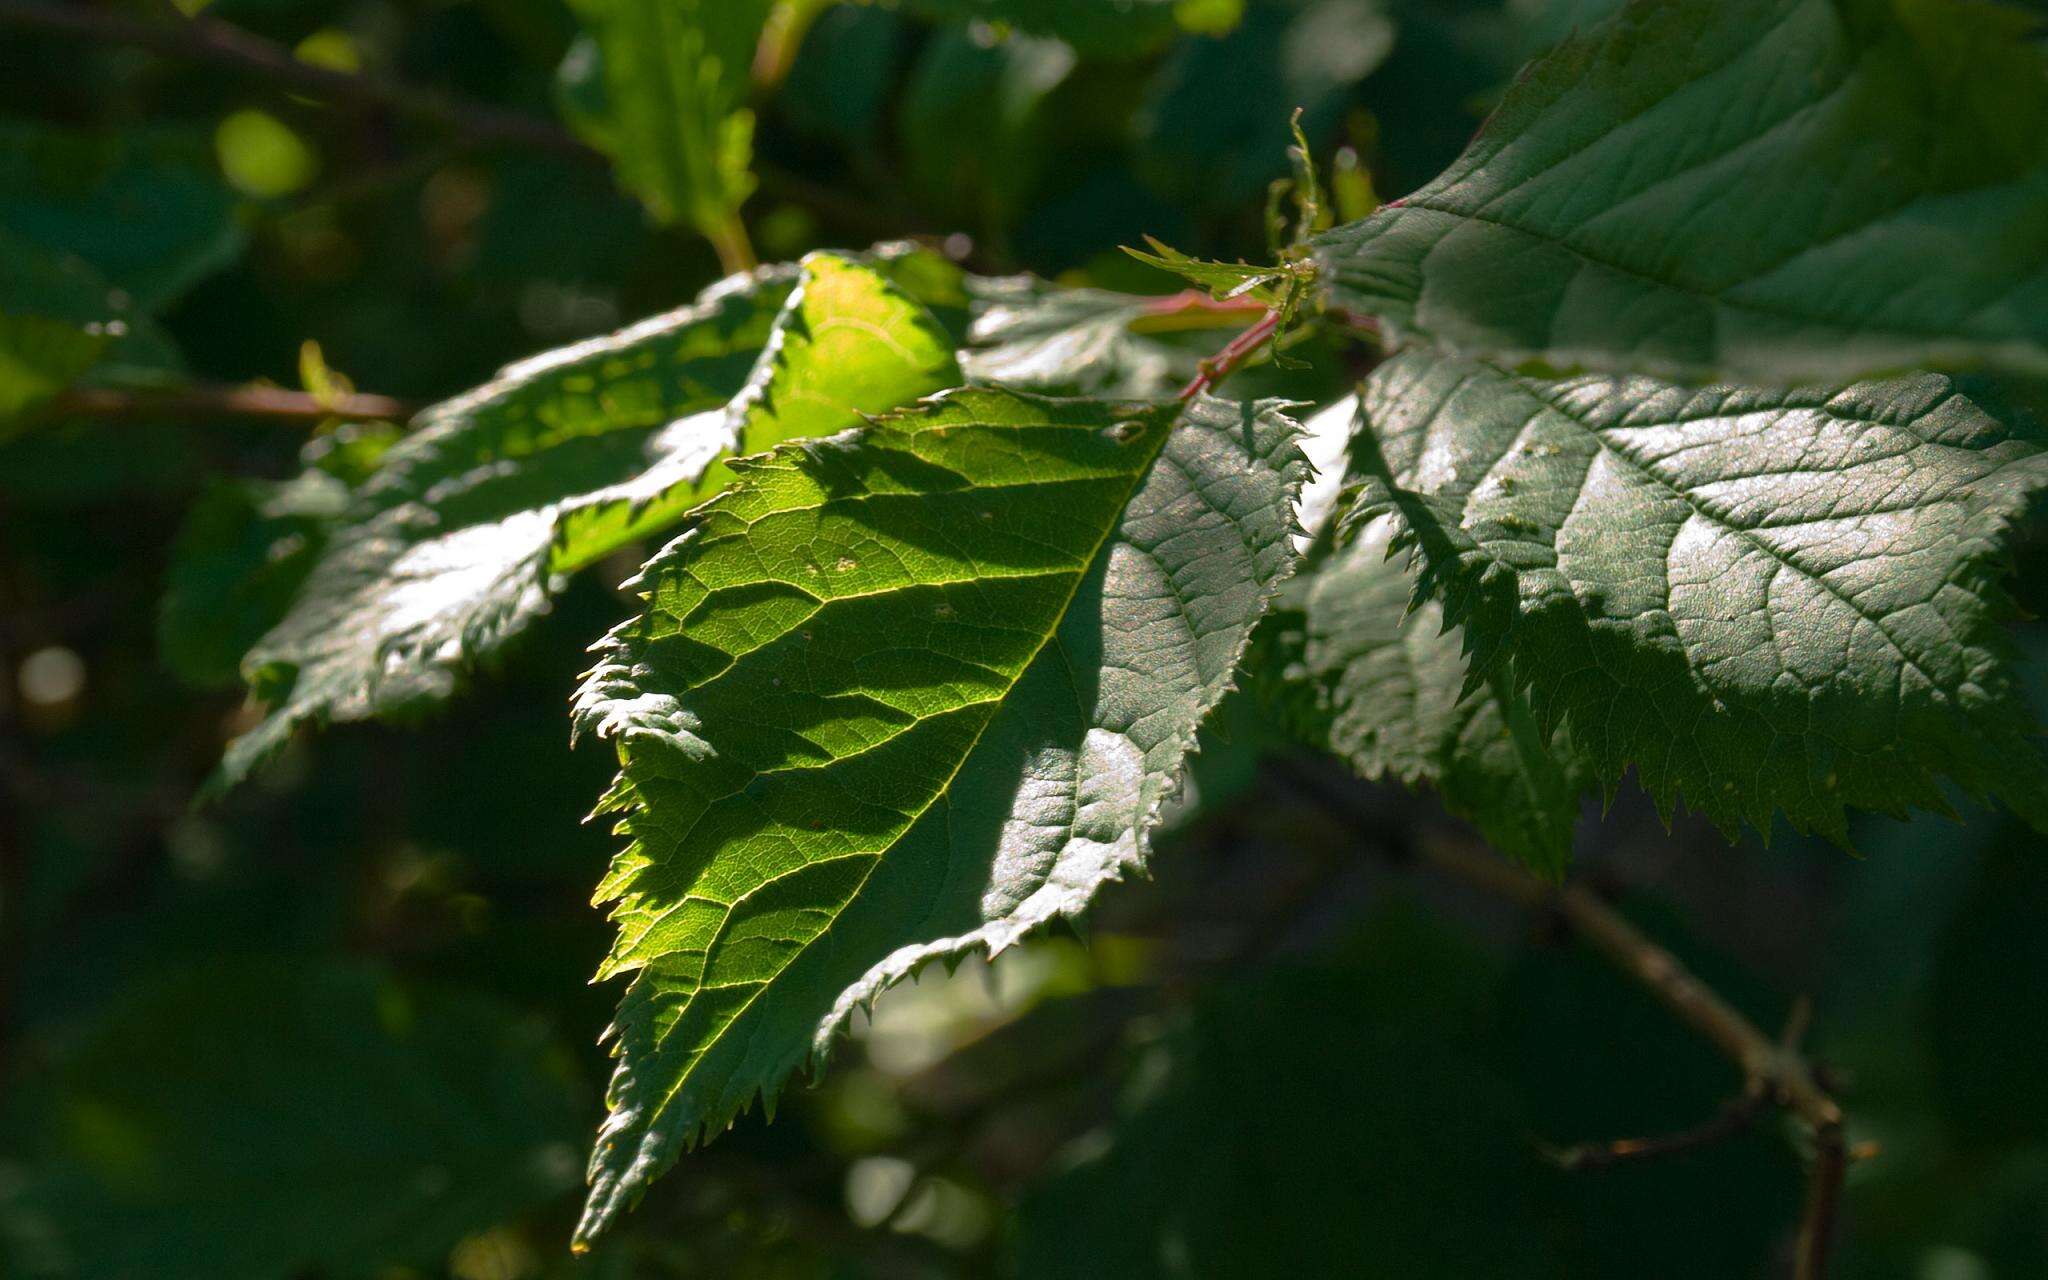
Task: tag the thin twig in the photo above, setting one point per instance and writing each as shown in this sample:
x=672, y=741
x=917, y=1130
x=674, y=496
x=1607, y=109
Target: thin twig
x=1773, y=1068
x=1734, y=1117
x=1234, y=353
x=204, y=400
x=204, y=39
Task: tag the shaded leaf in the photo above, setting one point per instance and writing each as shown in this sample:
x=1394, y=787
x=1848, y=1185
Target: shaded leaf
x=973, y=124
x=59, y=321
x=1390, y=695
x=1767, y=601
x=292, y=1117
x=1095, y=28
x=901, y=694
x=247, y=546
x=1034, y=336
x=1214, y=129
x=1753, y=190
x=145, y=207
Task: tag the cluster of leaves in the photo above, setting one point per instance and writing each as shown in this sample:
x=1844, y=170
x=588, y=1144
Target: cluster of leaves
x=1645, y=473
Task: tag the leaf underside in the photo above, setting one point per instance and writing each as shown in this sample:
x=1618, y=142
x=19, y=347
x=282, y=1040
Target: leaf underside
x=1385, y=687
x=897, y=695
x=1764, y=601
x=1763, y=190
x=457, y=542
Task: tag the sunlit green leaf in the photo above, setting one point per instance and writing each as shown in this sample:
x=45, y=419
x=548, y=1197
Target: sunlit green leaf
x=900, y=694
x=456, y=542
x=1221, y=279
x=1387, y=690
x=1766, y=602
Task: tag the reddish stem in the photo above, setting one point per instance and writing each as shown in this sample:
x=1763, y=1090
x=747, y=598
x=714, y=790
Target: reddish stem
x=205, y=401
x=1235, y=352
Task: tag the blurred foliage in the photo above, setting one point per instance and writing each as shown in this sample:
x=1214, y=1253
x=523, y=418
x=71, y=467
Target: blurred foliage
x=339, y=1024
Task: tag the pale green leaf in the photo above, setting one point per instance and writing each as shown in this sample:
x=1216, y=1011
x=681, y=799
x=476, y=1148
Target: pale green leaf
x=897, y=695
x=662, y=86
x=1762, y=601
x=457, y=541
x=1766, y=190
x=1387, y=691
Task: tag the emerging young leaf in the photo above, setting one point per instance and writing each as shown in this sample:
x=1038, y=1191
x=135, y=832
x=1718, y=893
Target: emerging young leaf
x=1221, y=279
x=454, y=544
x=661, y=85
x=1767, y=601
x=900, y=694
x=1388, y=692
x=1767, y=190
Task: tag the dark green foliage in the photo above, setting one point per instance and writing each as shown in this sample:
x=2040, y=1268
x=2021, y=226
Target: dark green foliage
x=361, y=1121
x=1678, y=435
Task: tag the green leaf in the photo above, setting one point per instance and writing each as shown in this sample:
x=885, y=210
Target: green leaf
x=1388, y=692
x=293, y=1118
x=145, y=207
x=1034, y=336
x=1096, y=28
x=1214, y=131
x=1222, y=280
x=455, y=544
x=897, y=695
x=59, y=321
x=973, y=124
x=1766, y=601
x=1766, y=190
x=662, y=86
x=246, y=547
x=241, y=557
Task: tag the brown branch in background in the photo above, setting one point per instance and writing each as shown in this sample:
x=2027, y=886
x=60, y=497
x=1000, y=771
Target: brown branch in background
x=1773, y=1069
x=209, y=40
x=207, y=401
x=204, y=39
x=1734, y=1117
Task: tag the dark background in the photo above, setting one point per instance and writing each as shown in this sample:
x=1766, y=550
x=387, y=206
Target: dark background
x=339, y=1025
